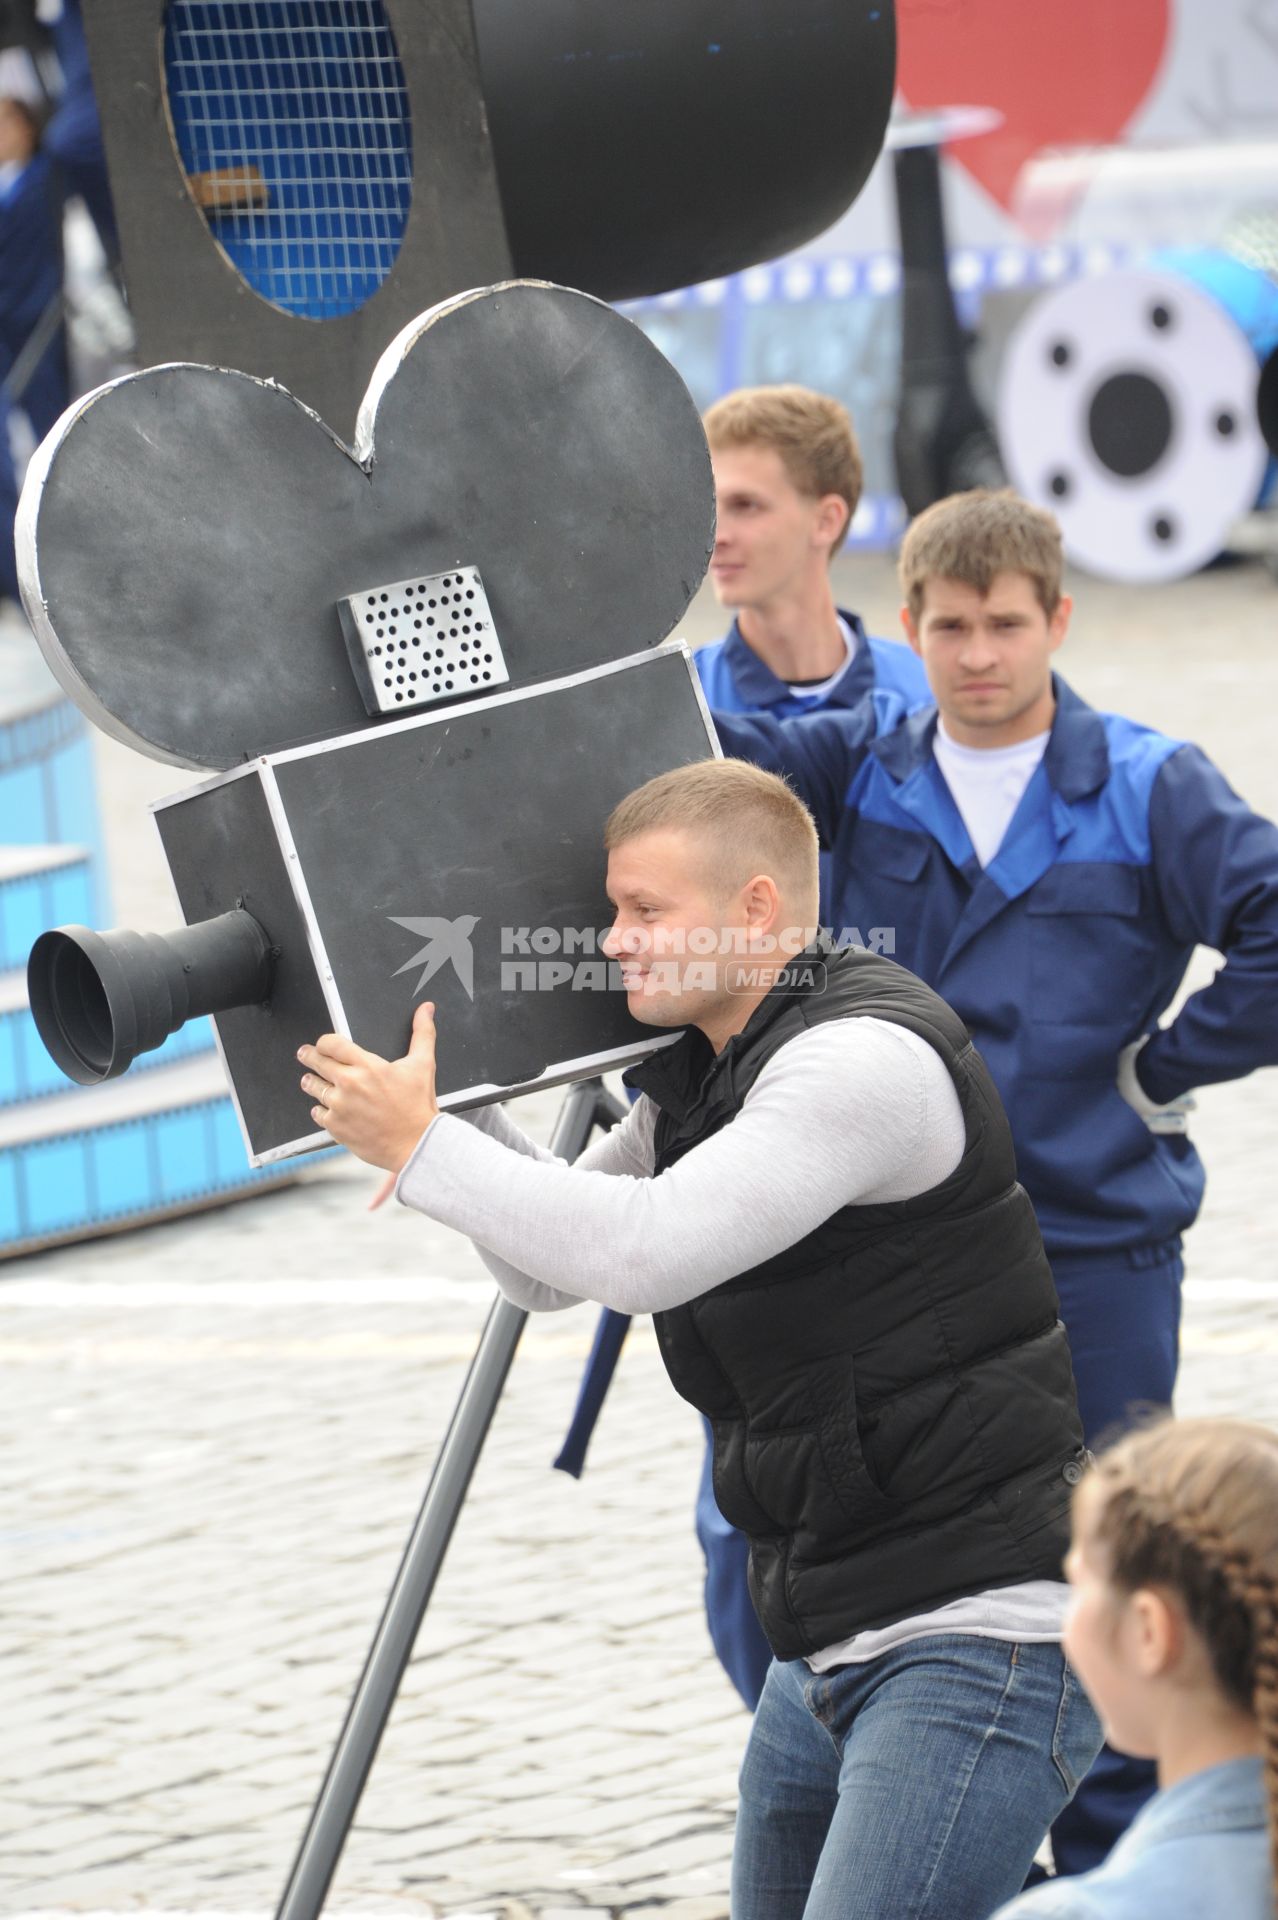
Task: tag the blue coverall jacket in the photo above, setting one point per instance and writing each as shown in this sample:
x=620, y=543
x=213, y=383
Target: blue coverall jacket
x=1128, y=848
x=736, y=680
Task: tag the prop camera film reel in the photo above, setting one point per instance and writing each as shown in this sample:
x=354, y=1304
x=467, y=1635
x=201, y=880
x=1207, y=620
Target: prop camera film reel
x=525, y=433
x=1128, y=406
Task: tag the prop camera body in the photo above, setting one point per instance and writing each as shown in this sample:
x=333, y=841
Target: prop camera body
x=943, y=442
x=426, y=669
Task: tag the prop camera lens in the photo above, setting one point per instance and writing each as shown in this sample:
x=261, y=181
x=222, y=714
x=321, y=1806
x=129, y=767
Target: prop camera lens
x=101, y=999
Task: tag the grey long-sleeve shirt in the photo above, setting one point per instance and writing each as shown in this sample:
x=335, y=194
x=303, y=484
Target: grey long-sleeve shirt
x=851, y=1112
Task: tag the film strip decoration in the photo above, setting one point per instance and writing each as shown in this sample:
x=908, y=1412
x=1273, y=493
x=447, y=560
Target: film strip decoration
x=709, y=331
x=770, y=322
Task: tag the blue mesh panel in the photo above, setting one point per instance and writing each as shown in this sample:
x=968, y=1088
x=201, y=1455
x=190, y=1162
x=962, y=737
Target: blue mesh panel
x=311, y=94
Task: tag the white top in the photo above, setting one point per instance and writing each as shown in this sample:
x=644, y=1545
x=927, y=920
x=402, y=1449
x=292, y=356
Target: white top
x=987, y=784
x=822, y=689
x=854, y=1112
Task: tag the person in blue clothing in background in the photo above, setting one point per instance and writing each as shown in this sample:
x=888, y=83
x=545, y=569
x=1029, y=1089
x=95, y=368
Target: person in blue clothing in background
x=787, y=475
x=42, y=162
x=1050, y=869
x=787, y=478
x=31, y=202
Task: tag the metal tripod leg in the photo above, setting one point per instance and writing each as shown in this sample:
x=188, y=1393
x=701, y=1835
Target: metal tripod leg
x=588, y=1105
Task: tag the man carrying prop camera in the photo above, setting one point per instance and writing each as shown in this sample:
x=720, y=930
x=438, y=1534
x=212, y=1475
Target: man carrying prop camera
x=787, y=482
x=816, y=1198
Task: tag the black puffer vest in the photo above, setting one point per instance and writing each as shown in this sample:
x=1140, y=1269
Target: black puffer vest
x=893, y=1406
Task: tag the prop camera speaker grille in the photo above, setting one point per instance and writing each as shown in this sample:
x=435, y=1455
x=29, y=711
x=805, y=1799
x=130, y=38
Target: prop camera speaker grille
x=423, y=640
x=1128, y=407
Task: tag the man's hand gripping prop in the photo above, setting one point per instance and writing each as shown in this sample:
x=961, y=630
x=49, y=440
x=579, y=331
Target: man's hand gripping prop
x=377, y=1108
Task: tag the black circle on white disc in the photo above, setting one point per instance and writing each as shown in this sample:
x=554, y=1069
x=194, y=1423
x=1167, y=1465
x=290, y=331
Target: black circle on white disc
x=1129, y=423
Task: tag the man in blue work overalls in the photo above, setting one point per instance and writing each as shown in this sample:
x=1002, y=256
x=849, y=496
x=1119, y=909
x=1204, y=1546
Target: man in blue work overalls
x=787, y=472
x=1049, y=870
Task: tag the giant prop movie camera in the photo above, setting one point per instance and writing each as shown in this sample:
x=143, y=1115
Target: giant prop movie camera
x=424, y=669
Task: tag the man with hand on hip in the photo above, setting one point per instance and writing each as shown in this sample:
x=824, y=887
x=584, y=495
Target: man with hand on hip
x=1049, y=870
x=815, y=1196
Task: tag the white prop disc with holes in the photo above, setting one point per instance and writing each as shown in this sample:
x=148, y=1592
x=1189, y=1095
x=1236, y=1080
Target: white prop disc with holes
x=1128, y=406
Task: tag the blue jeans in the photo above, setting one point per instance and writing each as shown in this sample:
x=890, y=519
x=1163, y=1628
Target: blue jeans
x=1122, y=1314
x=913, y=1787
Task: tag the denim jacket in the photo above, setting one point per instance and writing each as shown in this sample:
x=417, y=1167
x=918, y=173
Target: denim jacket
x=1197, y=1851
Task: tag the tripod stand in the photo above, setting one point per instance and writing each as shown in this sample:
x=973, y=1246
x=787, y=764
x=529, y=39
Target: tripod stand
x=588, y=1105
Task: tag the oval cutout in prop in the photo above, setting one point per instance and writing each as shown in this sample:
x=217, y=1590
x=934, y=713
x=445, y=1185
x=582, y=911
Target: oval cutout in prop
x=291, y=119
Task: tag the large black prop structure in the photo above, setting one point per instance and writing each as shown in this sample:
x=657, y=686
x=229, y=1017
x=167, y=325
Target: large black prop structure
x=943, y=442
x=211, y=573
x=621, y=146
x=194, y=613
x=532, y=470
x=429, y=668
x=642, y=145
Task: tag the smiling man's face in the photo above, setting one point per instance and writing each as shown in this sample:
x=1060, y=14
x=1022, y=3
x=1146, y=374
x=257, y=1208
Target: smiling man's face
x=668, y=920
x=694, y=947
x=988, y=657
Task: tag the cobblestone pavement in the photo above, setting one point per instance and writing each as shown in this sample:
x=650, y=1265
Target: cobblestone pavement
x=216, y=1435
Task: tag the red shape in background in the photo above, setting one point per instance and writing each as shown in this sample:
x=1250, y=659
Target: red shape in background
x=1061, y=72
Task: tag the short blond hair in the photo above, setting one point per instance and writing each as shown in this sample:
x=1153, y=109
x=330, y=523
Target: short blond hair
x=751, y=821
x=972, y=537
x=811, y=432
